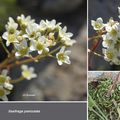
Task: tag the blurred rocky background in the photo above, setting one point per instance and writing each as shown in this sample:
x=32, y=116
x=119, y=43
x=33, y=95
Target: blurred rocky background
x=104, y=9
x=67, y=82
x=95, y=76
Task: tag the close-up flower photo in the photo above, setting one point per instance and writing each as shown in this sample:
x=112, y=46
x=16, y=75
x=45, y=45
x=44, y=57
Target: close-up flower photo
x=43, y=48
x=104, y=35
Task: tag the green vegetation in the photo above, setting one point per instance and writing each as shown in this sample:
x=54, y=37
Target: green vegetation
x=101, y=106
x=7, y=8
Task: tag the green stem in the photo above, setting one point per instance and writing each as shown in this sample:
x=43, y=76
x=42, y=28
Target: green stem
x=97, y=107
x=17, y=80
x=97, y=54
x=5, y=48
x=97, y=114
x=38, y=57
x=53, y=51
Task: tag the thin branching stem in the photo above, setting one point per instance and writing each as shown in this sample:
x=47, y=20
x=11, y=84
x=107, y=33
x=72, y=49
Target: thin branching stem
x=20, y=79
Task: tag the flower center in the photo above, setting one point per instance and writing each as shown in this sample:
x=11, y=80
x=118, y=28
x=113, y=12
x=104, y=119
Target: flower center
x=113, y=32
x=23, y=51
x=2, y=92
x=110, y=55
x=108, y=42
x=39, y=46
x=26, y=73
x=98, y=25
x=11, y=37
x=2, y=79
x=61, y=56
x=32, y=35
x=11, y=31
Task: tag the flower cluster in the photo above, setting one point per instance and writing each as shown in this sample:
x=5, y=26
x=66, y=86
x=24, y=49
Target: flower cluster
x=5, y=86
x=27, y=36
x=110, y=33
x=47, y=38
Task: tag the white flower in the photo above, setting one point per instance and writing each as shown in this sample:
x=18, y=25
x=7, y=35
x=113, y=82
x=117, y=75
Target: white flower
x=109, y=24
x=32, y=31
x=4, y=93
x=28, y=73
x=62, y=56
x=110, y=54
x=25, y=21
x=51, y=25
x=5, y=86
x=69, y=42
x=4, y=78
x=11, y=34
x=40, y=45
x=98, y=24
x=65, y=37
x=107, y=41
x=22, y=49
x=11, y=26
x=113, y=31
x=10, y=38
x=64, y=34
x=51, y=39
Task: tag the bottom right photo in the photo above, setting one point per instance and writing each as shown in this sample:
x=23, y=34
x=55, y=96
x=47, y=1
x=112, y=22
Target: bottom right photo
x=104, y=95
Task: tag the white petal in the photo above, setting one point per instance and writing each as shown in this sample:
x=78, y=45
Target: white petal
x=67, y=52
x=47, y=49
x=5, y=35
x=34, y=75
x=65, y=29
x=40, y=51
x=100, y=20
x=32, y=48
x=69, y=34
x=60, y=62
x=4, y=98
x=7, y=43
x=17, y=54
x=92, y=22
x=24, y=67
x=24, y=43
x=8, y=86
x=4, y=72
x=53, y=21
x=62, y=49
x=67, y=61
x=31, y=69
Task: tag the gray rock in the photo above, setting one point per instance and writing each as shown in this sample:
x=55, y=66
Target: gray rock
x=94, y=76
